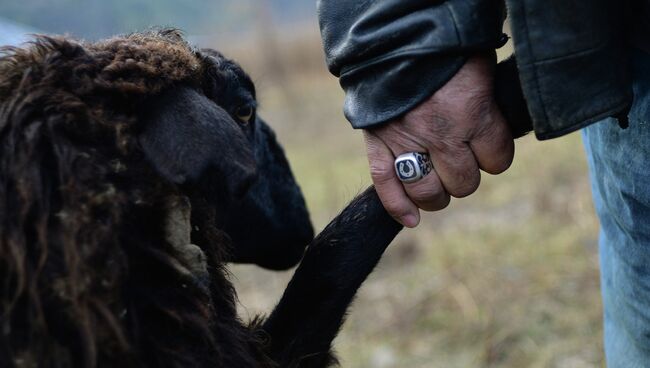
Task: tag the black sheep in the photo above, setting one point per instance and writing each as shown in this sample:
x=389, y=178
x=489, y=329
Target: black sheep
x=131, y=171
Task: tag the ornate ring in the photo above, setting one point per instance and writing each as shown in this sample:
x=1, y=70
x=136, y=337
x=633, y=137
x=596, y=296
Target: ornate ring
x=412, y=166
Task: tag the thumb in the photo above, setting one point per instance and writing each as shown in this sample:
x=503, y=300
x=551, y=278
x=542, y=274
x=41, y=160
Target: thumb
x=389, y=188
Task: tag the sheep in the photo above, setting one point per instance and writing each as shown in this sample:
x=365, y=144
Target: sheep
x=131, y=171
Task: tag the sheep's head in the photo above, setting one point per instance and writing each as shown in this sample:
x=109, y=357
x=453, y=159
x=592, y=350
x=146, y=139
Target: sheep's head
x=96, y=139
x=91, y=133
x=212, y=138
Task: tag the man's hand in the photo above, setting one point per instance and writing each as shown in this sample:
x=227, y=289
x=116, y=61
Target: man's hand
x=463, y=131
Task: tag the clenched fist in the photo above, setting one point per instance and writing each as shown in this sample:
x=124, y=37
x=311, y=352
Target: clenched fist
x=462, y=130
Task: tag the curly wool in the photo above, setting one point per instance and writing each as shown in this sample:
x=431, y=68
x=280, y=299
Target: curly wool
x=87, y=277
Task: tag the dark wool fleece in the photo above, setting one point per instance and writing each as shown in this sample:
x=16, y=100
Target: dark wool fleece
x=87, y=277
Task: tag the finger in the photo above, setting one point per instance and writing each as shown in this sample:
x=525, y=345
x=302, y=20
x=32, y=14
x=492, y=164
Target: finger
x=493, y=145
x=428, y=193
x=457, y=168
x=389, y=188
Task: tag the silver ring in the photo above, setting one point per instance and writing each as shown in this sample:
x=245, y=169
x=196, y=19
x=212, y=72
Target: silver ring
x=412, y=166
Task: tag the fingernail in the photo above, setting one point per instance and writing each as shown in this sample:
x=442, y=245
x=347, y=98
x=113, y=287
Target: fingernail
x=409, y=220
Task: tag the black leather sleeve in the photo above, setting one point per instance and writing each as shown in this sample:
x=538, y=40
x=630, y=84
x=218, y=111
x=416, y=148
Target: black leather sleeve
x=390, y=55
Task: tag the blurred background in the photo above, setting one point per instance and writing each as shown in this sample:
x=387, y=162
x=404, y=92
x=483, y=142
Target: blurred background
x=505, y=278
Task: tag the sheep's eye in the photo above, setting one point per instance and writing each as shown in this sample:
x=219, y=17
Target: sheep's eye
x=245, y=114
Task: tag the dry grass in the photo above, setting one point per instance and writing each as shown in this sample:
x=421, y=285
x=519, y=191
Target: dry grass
x=505, y=278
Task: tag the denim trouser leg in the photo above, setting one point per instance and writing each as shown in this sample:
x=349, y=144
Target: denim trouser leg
x=619, y=162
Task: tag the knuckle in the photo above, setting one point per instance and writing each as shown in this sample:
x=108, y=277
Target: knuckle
x=394, y=208
x=381, y=172
x=429, y=196
x=426, y=192
x=444, y=202
x=501, y=166
x=465, y=184
x=461, y=176
x=441, y=202
x=501, y=161
x=464, y=190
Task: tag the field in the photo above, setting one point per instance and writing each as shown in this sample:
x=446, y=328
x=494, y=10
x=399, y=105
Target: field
x=505, y=278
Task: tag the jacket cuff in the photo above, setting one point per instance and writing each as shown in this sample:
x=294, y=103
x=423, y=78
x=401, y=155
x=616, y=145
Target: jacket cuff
x=391, y=55
x=385, y=91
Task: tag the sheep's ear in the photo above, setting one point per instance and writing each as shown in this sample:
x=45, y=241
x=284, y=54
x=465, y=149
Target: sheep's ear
x=186, y=136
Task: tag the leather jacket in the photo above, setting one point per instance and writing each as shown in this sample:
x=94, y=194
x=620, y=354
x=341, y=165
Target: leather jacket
x=572, y=56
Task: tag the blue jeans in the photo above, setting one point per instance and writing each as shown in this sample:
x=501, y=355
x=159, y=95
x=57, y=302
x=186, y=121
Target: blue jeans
x=619, y=162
